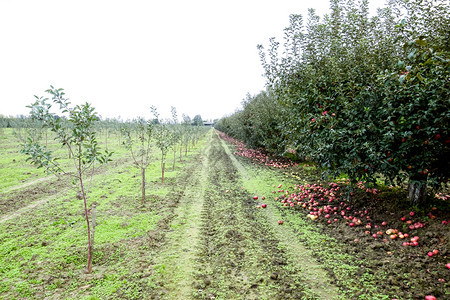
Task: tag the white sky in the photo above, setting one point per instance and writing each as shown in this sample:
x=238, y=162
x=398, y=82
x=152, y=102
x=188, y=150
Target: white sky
x=124, y=56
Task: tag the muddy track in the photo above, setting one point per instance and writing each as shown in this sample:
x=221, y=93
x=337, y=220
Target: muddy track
x=175, y=261
x=318, y=282
x=12, y=202
x=239, y=257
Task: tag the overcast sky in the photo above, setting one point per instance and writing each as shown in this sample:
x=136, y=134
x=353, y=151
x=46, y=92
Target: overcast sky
x=124, y=56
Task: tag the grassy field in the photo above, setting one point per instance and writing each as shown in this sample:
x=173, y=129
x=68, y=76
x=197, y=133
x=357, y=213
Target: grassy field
x=43, y=246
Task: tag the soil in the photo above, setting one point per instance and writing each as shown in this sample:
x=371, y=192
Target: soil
x=19, y=197
x=239, y=258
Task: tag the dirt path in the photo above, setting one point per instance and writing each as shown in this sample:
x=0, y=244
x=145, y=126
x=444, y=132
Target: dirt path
x=312, y=271
x=17, y=200
x=177, y=258
x=222, y=247
x=28, y=196
x=28, y=184
x=26, y=209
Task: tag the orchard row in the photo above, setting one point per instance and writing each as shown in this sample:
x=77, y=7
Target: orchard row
x=75, y=128
x=360, y=95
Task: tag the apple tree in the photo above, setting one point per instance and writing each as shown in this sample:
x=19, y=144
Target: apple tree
x=367, y=95
x=137, y=138
x=78, y=135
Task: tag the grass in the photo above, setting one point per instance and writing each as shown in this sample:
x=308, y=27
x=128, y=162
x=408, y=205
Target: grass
x=43, y=252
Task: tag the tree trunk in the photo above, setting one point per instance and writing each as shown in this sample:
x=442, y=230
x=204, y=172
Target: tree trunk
x=174, y=153
x=94, y=223
x=417, y=189
x=86, y=213
x=143, y=185
x=162, y=172
x=181, y=149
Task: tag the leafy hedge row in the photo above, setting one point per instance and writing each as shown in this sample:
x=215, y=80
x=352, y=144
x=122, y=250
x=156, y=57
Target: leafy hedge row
x=359, y=95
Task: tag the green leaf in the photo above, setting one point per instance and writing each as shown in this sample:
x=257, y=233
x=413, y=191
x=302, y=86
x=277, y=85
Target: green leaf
x=421, y=42
x=420, y=77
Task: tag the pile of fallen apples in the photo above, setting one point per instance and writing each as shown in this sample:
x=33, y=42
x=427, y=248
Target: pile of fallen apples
x=328, y=202
x=257, y=156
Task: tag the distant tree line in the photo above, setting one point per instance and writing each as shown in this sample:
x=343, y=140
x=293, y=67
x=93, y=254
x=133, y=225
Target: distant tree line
x=23, y=121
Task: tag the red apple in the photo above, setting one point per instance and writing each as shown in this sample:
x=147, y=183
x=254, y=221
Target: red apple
x=280, y=222
x=412, y=214
x=430, y=254
x=430, y=297
x=263, y=205
x=255, y=197
x=435, y=251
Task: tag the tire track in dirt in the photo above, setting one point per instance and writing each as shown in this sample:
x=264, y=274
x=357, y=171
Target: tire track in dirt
x=27, y=208
x=20, y=199
x=240, y=257
x=311, y=270
x=177, y=258
x=27, y=184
